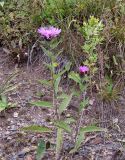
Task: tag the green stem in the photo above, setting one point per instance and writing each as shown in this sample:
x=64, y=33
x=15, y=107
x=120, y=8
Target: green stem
x=54, y=94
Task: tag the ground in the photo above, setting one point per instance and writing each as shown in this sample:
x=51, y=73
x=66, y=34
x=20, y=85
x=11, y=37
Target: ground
x=18, y=145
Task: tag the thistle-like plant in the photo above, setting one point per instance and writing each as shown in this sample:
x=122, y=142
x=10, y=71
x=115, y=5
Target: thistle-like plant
x=62, y=125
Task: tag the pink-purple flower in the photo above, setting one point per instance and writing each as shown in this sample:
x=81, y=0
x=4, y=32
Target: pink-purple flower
x=49, y=32
x=83, y=69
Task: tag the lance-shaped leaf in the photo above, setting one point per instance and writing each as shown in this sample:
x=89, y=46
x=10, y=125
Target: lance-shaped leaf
x=45, y=82
x=65, y=102
x=91, y=129
x=49, y=54
x=81, y=135
x=3, y=106
x=59, y=141
x=56, y=84
x=2, y=3
x=44, y=104
x=67, y=68
x=70, y=120
x=79, y=140
x=63, y=125
x=74, y=76
x=3, y=103
x=35, y=128
x=50, y=67
x=83, y=104
x=54, y=44
x=40, y=150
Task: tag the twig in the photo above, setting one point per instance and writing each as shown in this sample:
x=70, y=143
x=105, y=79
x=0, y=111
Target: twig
x=30, y=53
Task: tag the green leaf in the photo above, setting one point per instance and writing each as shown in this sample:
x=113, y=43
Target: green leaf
x=2, y=106
x=40, y=150
x=3, y=103
x=54, y=44
x=59, y=141
x=48, y=66
x=74, y=76
x=65, y=103
x=70, y=120
x=35, y=128
x=2, y=3
x=92, y=129
x=79, y=140
x=42, y=104
x=63, y=125
x=67, y=67
x=45, y=82
x=49, y=54
x=83, y=104
x=56, y=84
x=4, y=99
x=81, y=135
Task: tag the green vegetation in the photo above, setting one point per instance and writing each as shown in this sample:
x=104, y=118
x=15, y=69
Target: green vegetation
x=91, y=33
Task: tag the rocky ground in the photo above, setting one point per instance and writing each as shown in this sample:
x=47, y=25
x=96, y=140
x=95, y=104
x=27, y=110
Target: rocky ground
x=18, y=145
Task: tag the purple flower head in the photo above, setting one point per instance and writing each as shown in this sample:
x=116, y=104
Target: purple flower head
x=83, y=69
x=49, y=32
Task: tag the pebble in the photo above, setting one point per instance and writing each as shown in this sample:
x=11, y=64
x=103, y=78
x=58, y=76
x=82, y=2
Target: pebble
x=15, y=114
x=7, y=132
x=22, y=153
x=91, y=101
x=9, y=138
x=13, y=128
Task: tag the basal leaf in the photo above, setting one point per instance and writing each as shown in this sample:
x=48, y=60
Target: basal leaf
x=40, y=150
x=63, y=125
x=79, y=140
x=42, y=104
x=35, y=128
x=3, y=106
x=70, y=120
x=91, y=129
x=81, y=135
x=45, y=82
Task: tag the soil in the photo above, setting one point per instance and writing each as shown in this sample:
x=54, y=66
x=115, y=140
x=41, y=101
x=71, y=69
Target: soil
x=16, y=144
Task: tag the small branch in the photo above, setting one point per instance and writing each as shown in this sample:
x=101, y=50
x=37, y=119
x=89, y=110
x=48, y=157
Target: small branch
x=30, y=53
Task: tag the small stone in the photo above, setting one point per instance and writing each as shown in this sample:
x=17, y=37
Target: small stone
x=91, y=101
x=115, y=120
x=15, y=114
x=68, y=115
x=9, y=138
x=22, y=153
x=7, y=132
x=50, y=122
x=13, y=128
